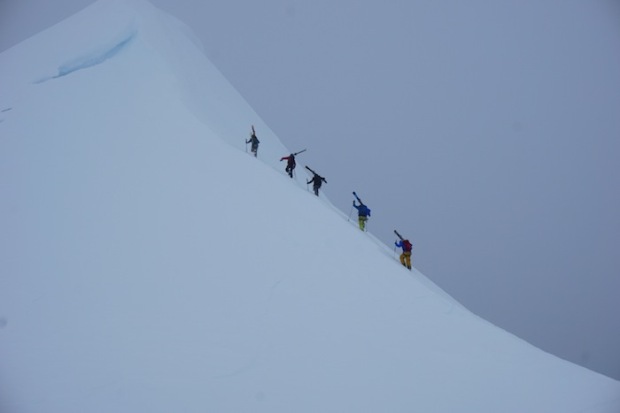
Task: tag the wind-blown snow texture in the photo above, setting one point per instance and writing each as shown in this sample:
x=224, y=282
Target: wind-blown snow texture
x=149, y=264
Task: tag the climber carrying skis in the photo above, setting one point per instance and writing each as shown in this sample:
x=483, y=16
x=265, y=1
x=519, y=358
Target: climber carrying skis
x=290, y=162
x=316, y=181
x=254, y=141
x=405, y=257
x=363, y=212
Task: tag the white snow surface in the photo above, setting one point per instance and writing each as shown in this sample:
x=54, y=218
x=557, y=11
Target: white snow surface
x=149, y=264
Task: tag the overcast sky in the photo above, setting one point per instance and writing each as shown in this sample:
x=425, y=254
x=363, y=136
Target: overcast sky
x=486, y=132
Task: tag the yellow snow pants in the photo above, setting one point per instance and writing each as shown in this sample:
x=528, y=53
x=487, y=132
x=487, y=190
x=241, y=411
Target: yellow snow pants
x=405, y=259
x=362, y=221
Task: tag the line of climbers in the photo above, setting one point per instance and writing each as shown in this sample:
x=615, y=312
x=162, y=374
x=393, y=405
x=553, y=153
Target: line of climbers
x=363, y=212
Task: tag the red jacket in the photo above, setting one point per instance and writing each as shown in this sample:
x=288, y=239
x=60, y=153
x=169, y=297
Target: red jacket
x=290, y=160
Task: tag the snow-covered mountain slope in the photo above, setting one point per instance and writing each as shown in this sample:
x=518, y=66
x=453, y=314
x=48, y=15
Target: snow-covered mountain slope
x=147, y=263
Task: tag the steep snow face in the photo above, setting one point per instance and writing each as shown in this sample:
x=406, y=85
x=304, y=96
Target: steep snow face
x=114, y=31
x=149, y=264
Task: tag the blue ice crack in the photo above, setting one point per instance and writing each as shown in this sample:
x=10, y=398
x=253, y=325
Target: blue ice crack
x=92, y=59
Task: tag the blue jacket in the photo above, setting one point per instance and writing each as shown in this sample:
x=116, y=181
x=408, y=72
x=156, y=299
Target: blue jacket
x=362, y=210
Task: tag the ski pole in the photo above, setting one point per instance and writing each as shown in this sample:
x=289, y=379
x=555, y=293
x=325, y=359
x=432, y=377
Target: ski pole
x=350, y=211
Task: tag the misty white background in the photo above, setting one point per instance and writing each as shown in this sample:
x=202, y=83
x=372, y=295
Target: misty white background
x=487, y=133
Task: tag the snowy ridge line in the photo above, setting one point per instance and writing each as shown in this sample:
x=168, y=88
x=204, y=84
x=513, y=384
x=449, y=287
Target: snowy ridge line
x=392, y=256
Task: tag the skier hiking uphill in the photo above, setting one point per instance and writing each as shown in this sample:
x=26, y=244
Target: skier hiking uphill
x=290, y=162
x=405, y=257
x=363, y=212
x=254, y=141
x=317, y=180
